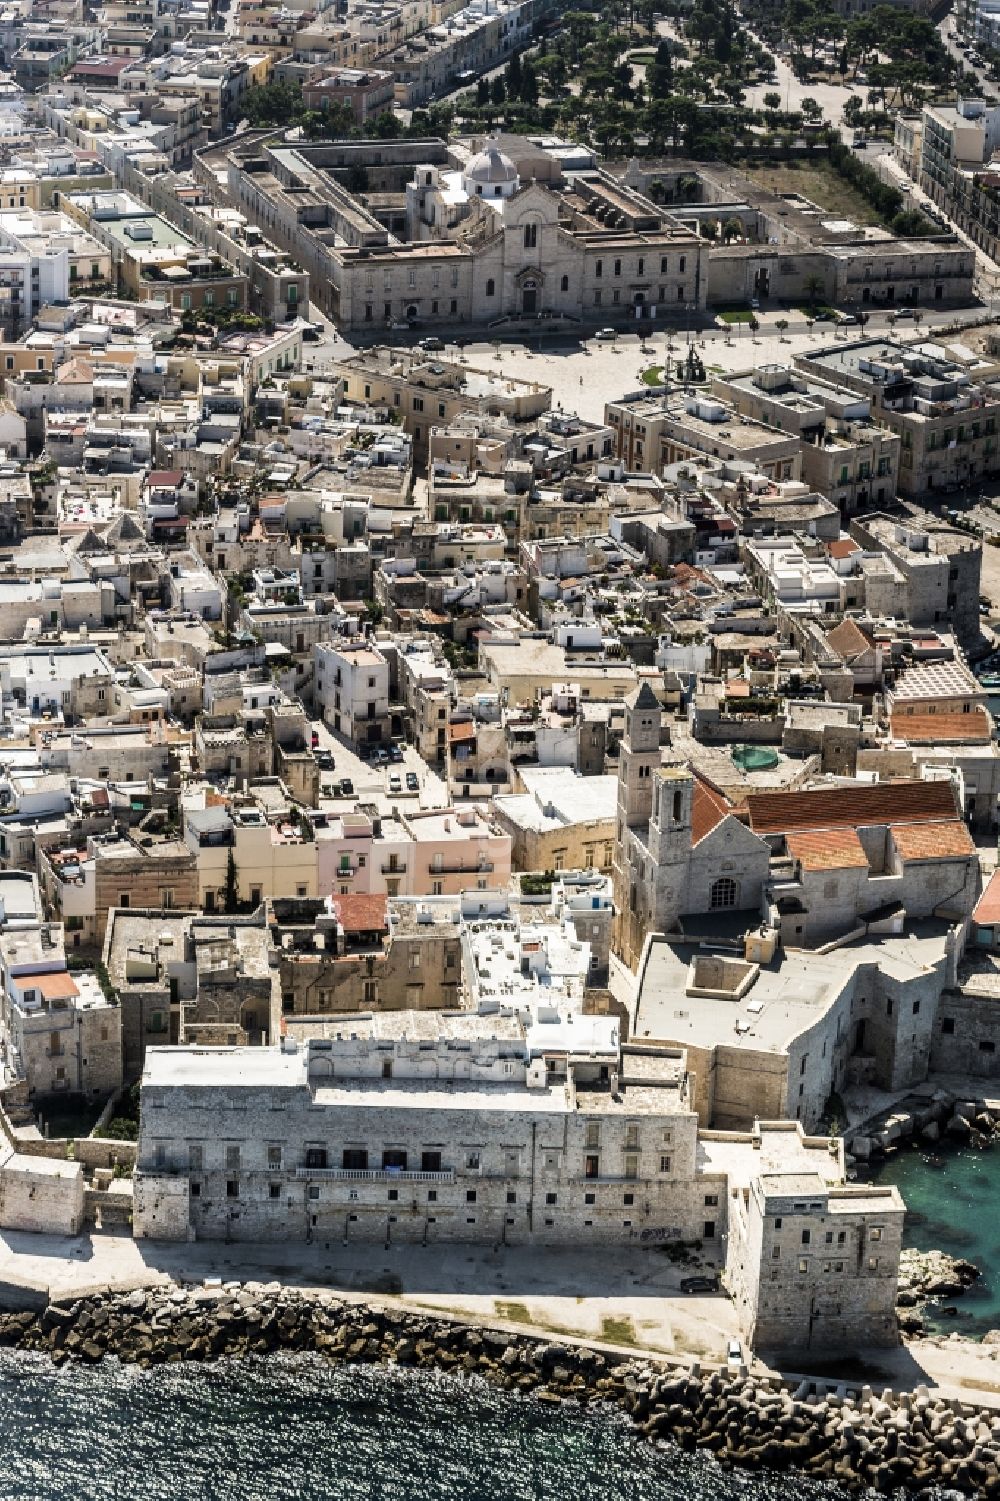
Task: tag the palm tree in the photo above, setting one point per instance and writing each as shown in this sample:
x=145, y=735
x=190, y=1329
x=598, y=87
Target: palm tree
x=814, y=288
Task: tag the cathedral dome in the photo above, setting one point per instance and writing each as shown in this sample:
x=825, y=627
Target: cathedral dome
x=491, y=169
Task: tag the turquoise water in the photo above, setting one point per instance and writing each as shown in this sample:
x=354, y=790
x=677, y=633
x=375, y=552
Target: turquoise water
x=952, y=1199
x=297, y=1430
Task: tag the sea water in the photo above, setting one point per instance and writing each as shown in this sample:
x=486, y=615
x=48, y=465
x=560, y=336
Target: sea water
x=951, y=1205
x=292, y=1428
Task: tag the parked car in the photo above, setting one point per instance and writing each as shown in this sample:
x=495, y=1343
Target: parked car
x=432, y=342
x=605, y=335
x=324, y=760
x=904, y=312
x=395, y=782
x=707, y=1284
x=412, y=784
x=755, y=304
x=345, y=787
x=310, y=334
x=396, y=753
x=381, y=757
x=734, y=1353
x=848, y=318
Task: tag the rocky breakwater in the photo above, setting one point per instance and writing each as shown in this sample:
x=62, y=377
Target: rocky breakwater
x=943, y=1119
x=929, y=1276
x=853, y=1437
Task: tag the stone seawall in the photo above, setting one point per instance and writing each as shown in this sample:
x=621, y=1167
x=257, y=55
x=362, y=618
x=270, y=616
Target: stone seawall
x=848, y=1435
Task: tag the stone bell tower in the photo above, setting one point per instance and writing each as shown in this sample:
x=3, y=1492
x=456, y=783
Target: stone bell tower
x=638, y=757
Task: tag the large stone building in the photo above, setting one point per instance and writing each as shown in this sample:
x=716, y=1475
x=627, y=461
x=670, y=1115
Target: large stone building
x=944, y=408
x=352, y=690
x=952, y=157
x=59, y=1033
x=429, y=1127
x=775, y=1035
x=183, y=978
x=798, y=1240
x=790, y=250
x=480, y=233
x=350, y=953
x=83, y=883
x=940, y=566
x=679, y=848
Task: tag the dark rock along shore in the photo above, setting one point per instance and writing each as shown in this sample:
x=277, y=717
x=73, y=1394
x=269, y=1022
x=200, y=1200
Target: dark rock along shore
x=915, y=1441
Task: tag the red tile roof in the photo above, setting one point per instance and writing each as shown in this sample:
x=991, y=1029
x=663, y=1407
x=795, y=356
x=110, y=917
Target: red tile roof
x=57, y=986
x=708, y=808
x=988, y=906
x=848, y=639
x=827, y=849
x=159, y=479
x=851, y=806
x=933, y=841
x=361, y=913
x=942, y=729
x=843, y=547
x=464, y=730
x=99, y=67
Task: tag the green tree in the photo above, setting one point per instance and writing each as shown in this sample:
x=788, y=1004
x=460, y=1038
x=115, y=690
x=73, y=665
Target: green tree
x=660, y=72
x=599, y=82
x=231, y=897
x=814, y=289
x=498, y=91
x=384, y=126
x=723, y=47
x=646, y=11
x=277, y=104
x=772, y=102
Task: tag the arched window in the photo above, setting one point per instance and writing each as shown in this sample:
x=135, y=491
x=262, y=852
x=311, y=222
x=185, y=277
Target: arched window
x=565, y=284
x=491, y=287
x=723, y=893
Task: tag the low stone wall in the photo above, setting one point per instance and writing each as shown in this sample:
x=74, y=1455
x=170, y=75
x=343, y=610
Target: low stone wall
x=104, y=1151
x=90, y=1151
x=850, y=1436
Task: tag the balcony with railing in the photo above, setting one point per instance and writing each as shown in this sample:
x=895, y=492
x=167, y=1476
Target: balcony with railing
x=375, y=1175
x=453, y=867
